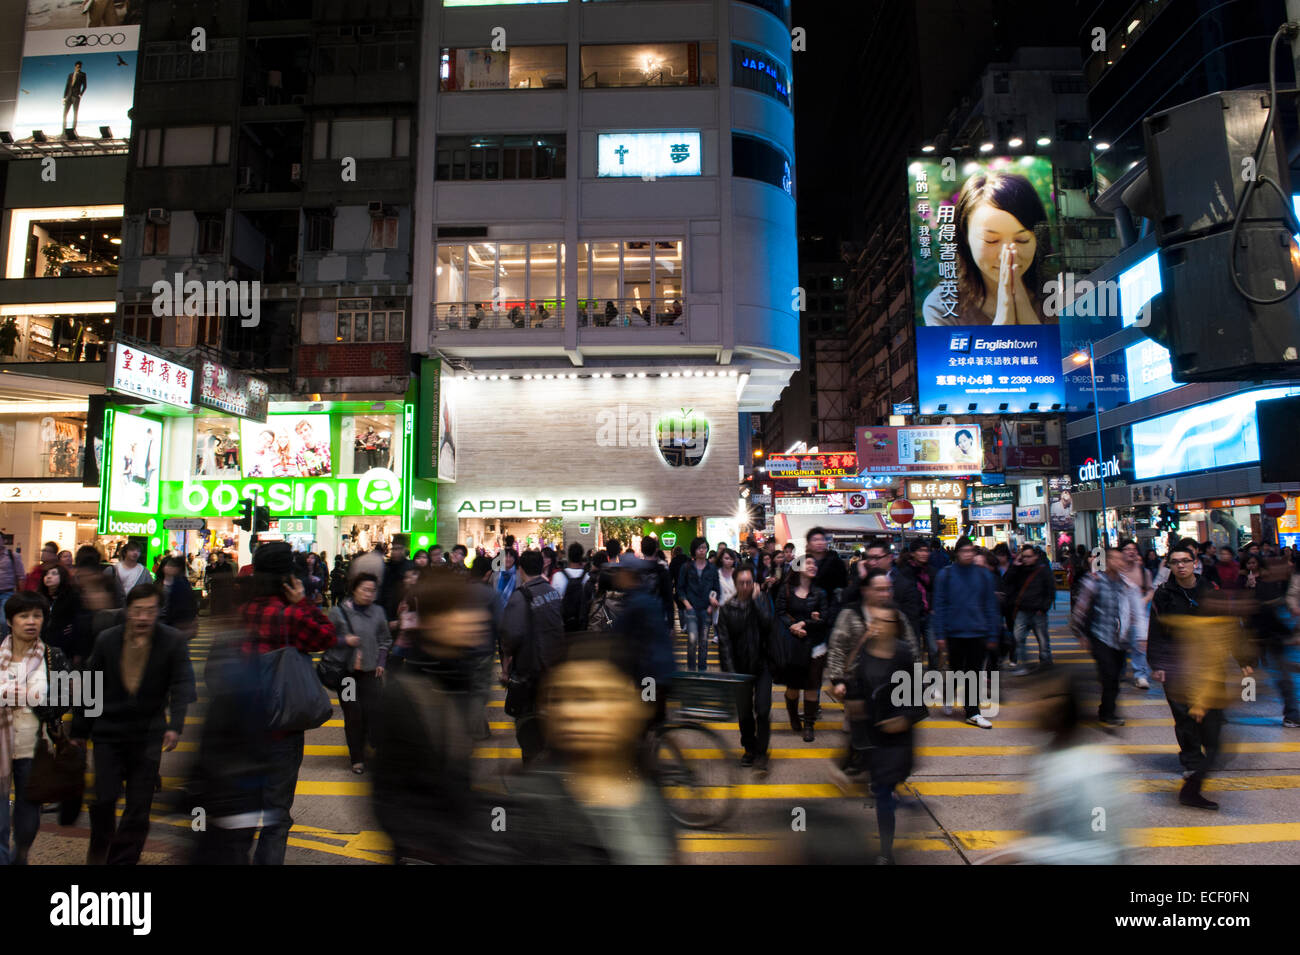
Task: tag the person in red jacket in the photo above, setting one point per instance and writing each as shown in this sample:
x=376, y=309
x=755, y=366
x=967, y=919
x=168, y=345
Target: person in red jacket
x=49, y=557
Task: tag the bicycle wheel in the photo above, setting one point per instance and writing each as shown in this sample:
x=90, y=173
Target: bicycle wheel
x=696, y=773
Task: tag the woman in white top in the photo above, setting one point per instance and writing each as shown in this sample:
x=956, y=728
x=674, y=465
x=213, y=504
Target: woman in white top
x=726, y=561
x=25, y=667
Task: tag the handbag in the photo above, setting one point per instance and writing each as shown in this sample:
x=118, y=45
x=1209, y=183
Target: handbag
x=295, y=699
x=58, y=772
x=332, y=667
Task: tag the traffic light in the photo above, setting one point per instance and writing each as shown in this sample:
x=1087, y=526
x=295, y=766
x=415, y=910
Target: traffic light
x=1168, y=518
x=261, y=519
x=245, y=520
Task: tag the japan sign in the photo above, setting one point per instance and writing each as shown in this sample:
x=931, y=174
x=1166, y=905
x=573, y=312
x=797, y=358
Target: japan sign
x=133, y=371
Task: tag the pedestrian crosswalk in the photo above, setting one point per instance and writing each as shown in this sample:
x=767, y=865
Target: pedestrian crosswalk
x=962, y=802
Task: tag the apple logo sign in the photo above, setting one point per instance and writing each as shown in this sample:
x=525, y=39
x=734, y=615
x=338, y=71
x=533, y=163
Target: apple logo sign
x=682, y=438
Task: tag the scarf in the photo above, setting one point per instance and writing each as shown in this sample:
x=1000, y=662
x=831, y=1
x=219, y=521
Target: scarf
x=33, y=662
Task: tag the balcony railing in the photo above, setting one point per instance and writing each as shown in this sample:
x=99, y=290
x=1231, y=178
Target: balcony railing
x=460, y=316
x=631, y=313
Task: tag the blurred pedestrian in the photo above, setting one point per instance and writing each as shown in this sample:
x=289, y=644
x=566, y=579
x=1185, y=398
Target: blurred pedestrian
x=148, y=685
x=67, y=625
x=872, y=645
x=1102, y=620
x=698, y=589
x=744, y=638
x=532, y=638
x=1188, y=646
x=966, y=622
x=180, y=607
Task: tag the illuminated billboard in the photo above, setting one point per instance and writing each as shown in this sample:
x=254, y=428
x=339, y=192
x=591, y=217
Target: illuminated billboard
x=812, y=465
x=1149, y=367
x=986, y=313
x=657, y=155
x=287, y=445
x=78, y=68
x=136, y=455
x=1217, y=434
x=941, y=449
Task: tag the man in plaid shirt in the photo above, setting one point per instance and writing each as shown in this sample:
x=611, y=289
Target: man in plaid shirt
x=276, y=616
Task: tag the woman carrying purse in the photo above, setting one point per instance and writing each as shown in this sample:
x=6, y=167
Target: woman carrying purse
x=26, y=665
x=802, y=609
x=362, y=627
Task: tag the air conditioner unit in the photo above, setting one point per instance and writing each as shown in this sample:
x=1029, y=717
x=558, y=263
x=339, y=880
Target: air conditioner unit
x=295, y=172
x=159, y=216
x=245, y=177
x=375, y=208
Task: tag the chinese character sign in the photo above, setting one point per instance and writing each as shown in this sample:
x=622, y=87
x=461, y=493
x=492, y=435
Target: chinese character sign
x=654, y=155
x=989, y=223
x=136, y=372
x=230, y=391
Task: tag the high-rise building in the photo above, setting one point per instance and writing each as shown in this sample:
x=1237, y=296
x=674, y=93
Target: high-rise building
x=605, y=260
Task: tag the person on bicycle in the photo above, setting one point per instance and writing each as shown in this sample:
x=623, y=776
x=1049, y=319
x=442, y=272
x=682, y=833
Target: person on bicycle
x=744, y=632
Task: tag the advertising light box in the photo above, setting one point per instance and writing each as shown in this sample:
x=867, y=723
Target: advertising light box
x=973, y=346
x=287, y=445
x=78, y=68
x=1150, y=369
x=134, y=371
x=940, y=449
x=1214, y=435
x=814, y=464
x=136, y=453
x=657, y=155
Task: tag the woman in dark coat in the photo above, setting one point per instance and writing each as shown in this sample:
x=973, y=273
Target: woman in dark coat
x=802, y=609
x=67, y=625
x=180, y=608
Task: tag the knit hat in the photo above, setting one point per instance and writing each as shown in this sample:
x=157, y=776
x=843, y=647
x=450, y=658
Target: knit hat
x=274, y=557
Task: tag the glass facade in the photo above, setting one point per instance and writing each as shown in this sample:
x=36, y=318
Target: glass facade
x=538, y=156
x=649, y=64
x=517, y=68
x=42, y=445
x=485, y=284
x=755, y=70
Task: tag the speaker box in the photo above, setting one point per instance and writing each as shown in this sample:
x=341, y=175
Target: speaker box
x=1212, y=333
x=1195, y=154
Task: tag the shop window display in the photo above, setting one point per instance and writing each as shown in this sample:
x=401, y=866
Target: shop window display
x=45, y=446
x=372, y=443
x=216, y=448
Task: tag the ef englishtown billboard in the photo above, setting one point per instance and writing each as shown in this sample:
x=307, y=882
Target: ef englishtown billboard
x=986, y=321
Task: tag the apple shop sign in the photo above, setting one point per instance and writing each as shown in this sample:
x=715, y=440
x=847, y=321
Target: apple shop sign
x=624, y=506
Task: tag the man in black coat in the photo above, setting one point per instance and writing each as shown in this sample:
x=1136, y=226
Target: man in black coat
x=912, y=589
x=1030, y=594
x=744, y=629
x=832, y=576
x=148, y=683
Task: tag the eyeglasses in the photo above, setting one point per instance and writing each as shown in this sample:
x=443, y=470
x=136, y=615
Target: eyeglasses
x=1181, y=560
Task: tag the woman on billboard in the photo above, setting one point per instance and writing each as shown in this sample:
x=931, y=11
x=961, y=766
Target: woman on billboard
x=997, y=216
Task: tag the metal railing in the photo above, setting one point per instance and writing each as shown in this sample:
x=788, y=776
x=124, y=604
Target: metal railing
x=631, y=313
x=460, y=316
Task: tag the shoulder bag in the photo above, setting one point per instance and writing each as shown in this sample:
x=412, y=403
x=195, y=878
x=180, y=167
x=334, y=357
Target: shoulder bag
x=333, y=664
x=58, y=772
x=295, y=699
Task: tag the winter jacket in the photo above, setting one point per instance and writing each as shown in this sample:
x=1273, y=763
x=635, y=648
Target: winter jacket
x=815, y=602
x=1033, y=590
x=913, y=594
x=370, y=623
x=167, y=684
x=640, y=621
x=1103, y=611
x=832, y=576
x=694, y=586
x=965, y=604
x=67, y=626
x=744, y=630
x=532, y=629
x=848, y=632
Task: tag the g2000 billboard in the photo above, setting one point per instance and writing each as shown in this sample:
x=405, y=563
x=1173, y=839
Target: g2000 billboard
x=986, y=330
x=78, y=68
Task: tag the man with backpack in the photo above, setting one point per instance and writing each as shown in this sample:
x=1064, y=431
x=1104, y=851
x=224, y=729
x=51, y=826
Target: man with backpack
x=532, y=640
x=569, y=585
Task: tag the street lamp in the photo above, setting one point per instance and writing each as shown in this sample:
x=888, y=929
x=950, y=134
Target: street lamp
x=1079, y=358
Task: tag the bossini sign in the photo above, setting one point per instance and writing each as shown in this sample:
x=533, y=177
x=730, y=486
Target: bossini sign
x=379, y=490
x=622, y=506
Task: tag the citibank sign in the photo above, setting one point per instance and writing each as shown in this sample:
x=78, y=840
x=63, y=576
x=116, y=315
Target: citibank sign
x=1090, y=470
